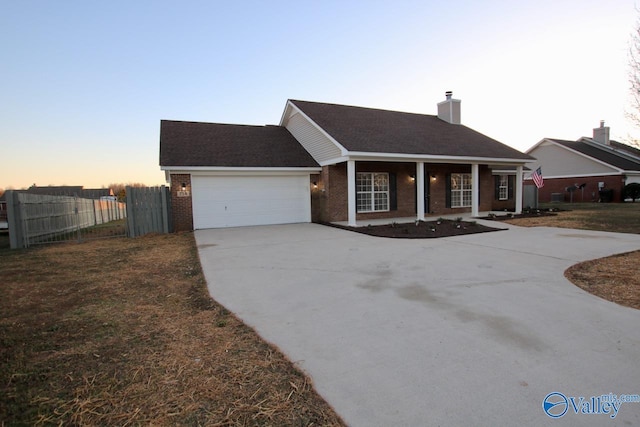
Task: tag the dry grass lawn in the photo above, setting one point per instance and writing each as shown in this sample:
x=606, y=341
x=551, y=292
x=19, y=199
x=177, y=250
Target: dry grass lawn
x=613, y=278
x=123, y=332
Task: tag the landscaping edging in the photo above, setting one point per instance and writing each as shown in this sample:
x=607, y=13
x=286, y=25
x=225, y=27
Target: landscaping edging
x=419, y=229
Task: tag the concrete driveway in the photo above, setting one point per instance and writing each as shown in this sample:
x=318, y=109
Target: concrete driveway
x=470, y=330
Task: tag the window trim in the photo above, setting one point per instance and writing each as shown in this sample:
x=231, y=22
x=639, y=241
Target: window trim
x=373, y=192
x=503, y=187
x=464, y=177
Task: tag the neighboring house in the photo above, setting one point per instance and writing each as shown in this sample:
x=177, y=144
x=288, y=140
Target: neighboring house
x=579, y=170
x=334, y=163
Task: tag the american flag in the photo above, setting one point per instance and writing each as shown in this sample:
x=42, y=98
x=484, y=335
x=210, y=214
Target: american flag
x=537, y=178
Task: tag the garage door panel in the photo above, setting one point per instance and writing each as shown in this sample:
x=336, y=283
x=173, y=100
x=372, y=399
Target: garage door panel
x=220, y=201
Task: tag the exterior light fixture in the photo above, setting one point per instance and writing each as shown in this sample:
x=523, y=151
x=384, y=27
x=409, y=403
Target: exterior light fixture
x=433, y=177
x=315, y=184
x=184, y=186
x=412, y=177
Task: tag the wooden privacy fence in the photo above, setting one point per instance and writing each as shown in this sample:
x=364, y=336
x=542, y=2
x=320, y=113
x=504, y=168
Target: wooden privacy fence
x=148, y=210
x=37, y=219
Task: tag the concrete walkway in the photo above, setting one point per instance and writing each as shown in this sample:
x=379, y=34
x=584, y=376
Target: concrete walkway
x=469, y=330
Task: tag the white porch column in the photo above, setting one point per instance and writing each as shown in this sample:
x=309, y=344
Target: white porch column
x=475, y=190
x=351, y=192
x=519, y=189
x=420, y=189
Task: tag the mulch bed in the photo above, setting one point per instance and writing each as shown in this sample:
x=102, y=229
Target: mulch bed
x=613, y=278
x=534, y=213
x=421, y=229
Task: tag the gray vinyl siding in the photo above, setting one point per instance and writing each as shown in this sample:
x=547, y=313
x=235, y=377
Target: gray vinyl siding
x=312, y=139
x=557, y=161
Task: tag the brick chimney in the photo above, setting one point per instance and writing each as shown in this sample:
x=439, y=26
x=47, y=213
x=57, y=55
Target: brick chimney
x=449, y=109
x=601, y=134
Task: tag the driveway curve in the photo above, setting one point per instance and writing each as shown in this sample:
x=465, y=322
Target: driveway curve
x=468, y=330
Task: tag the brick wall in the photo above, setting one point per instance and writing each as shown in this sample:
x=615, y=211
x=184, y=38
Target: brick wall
x=336, y=208
x=318, y=199
x=405, y=188
x=330, y=201
x=590, y=194
x=181, y=207
x=438, y=188
x=502, y=205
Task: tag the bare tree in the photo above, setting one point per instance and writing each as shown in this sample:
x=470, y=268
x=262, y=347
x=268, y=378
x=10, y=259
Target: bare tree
x=119, y=189
x=633, y=115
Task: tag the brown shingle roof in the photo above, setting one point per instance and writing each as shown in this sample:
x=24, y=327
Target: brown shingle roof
x=624, y=147
x=602, y=153
x=371, y=130
x=214, y=144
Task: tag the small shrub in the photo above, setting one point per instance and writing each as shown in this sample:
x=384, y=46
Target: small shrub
x=606, y=195
x=631, y=191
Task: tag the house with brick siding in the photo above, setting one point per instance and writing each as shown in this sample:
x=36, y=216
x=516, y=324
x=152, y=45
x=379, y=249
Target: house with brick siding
x=586, y=169
x=336, y=163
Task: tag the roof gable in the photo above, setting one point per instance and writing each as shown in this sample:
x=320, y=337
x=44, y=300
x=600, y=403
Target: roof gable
x=192, y=144
x=368, y=130
x=558, y=160
x=601, y=153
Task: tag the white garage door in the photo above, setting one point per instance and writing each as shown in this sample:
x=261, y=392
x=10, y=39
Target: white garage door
x=233, y=201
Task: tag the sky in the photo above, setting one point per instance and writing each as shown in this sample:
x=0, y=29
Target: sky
x=84, y=84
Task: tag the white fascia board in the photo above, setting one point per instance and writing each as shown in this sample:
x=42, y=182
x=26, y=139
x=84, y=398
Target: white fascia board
x=334, y=161
x=536, y=145
x=285, y=116
x=343, y=150
x=198, y=170
x=503, y=172
x=391, y=157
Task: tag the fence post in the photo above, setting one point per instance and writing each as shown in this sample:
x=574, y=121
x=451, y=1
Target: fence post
x=130, y=215
x=165, y=210
x=14, y=219
x=77, y=216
